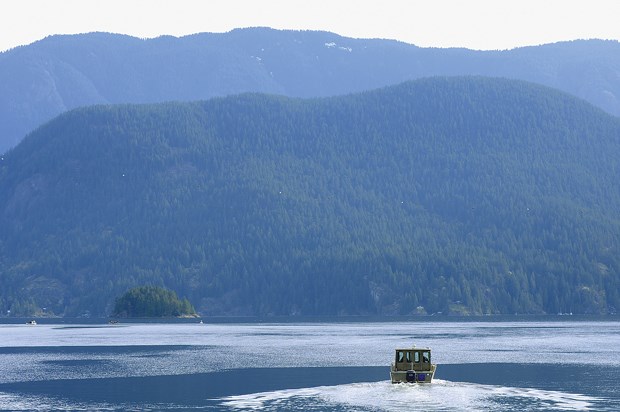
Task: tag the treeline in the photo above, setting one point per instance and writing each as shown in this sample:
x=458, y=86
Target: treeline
x=451, y=195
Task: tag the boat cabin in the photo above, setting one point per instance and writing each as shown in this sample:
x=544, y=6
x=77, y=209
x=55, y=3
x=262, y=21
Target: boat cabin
x=412, y=365
x=418, y=359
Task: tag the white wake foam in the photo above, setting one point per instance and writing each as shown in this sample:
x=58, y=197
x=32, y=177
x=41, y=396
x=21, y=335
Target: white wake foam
x=439, y=396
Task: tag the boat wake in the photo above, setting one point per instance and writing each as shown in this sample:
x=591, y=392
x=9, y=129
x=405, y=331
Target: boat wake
x=441, y=395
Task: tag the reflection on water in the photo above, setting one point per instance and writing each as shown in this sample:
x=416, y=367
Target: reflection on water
x=315, y=366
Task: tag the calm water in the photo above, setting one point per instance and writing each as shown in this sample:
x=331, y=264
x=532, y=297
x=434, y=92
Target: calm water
x=484, y=366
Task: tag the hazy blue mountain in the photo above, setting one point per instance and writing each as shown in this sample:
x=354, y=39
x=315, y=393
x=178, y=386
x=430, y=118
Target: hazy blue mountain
x=452, y=195
x=40, y=81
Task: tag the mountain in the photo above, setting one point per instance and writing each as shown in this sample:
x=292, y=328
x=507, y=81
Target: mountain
x=452, y=195
x=58, y=73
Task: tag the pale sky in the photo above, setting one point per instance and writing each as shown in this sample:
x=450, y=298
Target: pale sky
x=474, y=24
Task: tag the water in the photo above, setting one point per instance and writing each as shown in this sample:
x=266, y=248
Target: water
x=483, y=366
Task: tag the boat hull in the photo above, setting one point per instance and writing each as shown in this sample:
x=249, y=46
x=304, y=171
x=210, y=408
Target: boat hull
x=412, y=376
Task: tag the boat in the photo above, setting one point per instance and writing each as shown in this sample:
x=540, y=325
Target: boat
x=31, y=322
x=412, y=365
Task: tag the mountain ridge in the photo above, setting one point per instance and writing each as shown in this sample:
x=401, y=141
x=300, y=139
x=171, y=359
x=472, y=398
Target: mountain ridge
x=63, y=72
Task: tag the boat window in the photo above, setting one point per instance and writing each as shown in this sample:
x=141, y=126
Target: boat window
x=400, y=356
x=408, y=356
x=426, y=357
x=417, y=357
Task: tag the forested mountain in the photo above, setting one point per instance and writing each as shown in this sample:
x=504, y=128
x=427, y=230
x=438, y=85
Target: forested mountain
x=39, y=81
x=451, y=195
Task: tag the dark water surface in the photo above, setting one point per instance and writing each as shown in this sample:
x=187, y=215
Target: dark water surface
x=483, y=366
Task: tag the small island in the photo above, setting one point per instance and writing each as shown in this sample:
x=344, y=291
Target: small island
x=152, y=302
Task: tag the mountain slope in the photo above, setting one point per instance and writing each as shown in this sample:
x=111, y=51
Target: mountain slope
x=48, y=77
x=452, y=195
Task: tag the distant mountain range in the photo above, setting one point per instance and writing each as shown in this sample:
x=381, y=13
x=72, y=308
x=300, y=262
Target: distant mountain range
x=464, y=195
x=46, y=78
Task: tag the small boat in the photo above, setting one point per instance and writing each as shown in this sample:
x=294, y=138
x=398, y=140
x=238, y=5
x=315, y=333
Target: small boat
x=31, y=322
x=412, y=365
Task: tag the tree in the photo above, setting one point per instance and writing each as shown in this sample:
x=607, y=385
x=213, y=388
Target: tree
x=152, y=302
